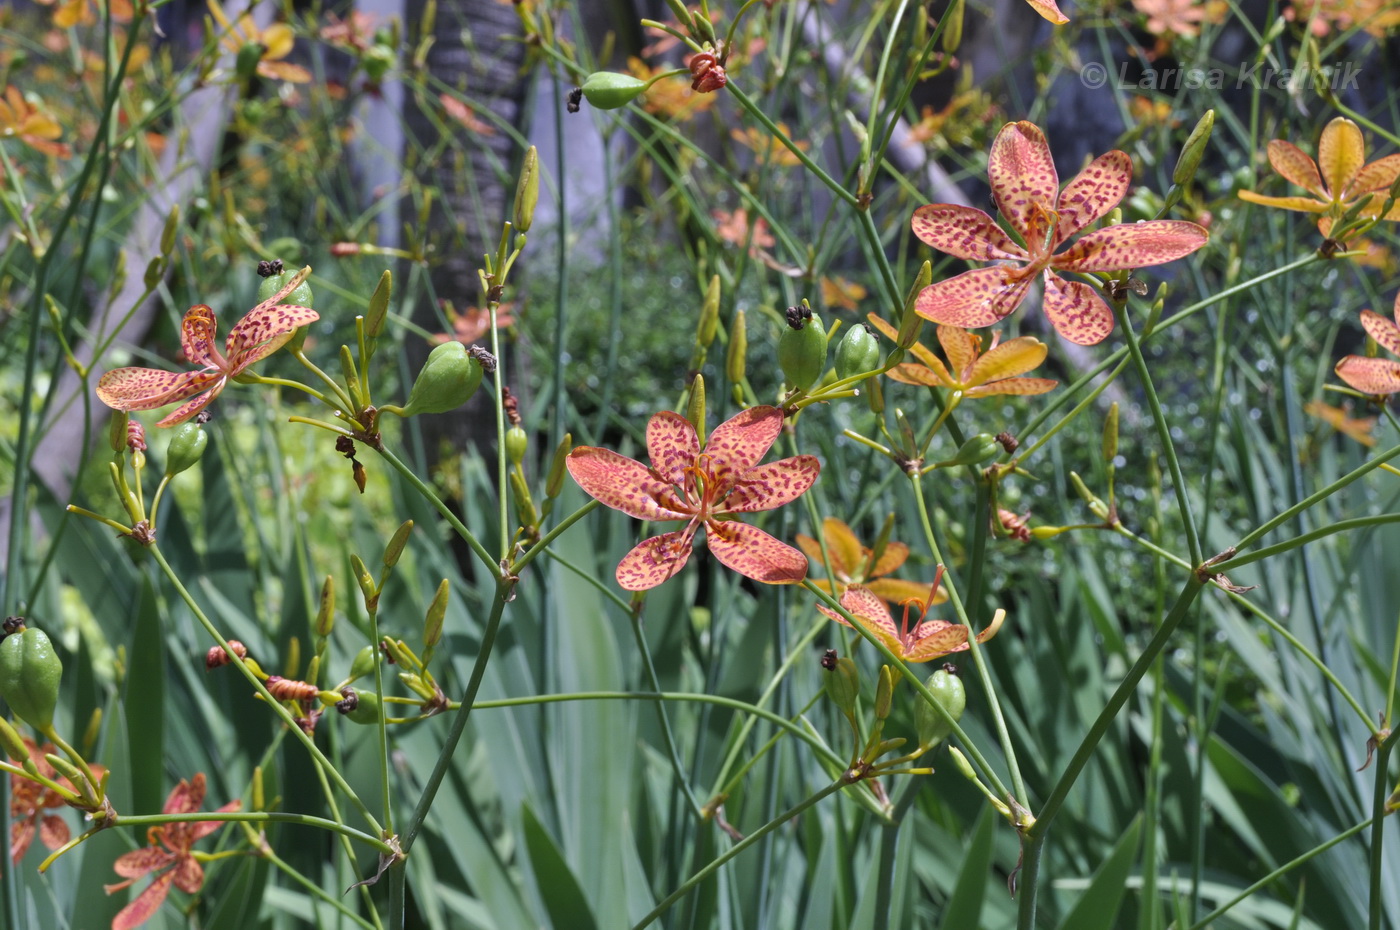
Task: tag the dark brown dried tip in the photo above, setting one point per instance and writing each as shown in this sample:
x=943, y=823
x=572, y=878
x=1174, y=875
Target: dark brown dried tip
x=268, y=269
x=575, y=99
x=218, y=657
x=829, y=659
x=797, y=317
x=352, y=700
x=1008, y=442
x=487, y=360
x=12, y=625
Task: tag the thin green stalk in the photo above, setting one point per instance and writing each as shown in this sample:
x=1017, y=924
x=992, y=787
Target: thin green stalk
x=753, y=109
x=1028, y=878
x=305, y=820
x=519, y=564
x=1379, y=796
x=431, y=496
x=1341, y=526
x=635, y=619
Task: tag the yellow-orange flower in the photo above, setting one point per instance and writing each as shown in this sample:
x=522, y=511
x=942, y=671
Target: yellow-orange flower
x=841, y=294
x=921, y=641
x=970, y=371
x=851, y=564
x=36, y=129
x=1341, y=420
x=767, y=146
x=276, y=41
x=1375, y=375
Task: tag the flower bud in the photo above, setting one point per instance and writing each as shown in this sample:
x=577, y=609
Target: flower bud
x=217, y=656
x=167, y=233
x=186, y=446
x=527, y=190
x=155, y=270
x=555, y=482
x=1096, y=504
x=608, y=90
x=736, y=362
x=884, y=693
x=947, y=688
x=325, y=615
x=300, y=296
x=432, y=624
x=843, y=684
x=1193, y=150
x=709, y=315
x=911, y=323
x=858, y=352
x=449, y=378
x=802, y=348
x=517, y=443
x=953, y=28
x=524, y=503
x=30, y=674
x=1110, y=434
x=874, y=396
x=975, y=451
x=378, y=310
x=246, y=64
x=377, y=60
x=365, y=580
x=13, y=743
x=116, y=432
x=397, y=542
x=695, y=407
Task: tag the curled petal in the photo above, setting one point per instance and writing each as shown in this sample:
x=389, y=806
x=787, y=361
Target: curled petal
x=1294, y=164
x=1305, y=204
x=146, y=904
x=197, y=331
x=673, y=445
x=655, y=560
x=189, y=874
x=1385, y=332
x=1076, y=311
x=1376, y=178
x=1049, y=11
x=623, y=484
x=1022, y=176
x=1340, y=154
x=192, y=407
x=1370, y=375
x=961, y=348
x=148, y=388
x=1132, y=245
x=263, y=331
x=974, y=298
x=1093, y=192
x=841, y=546
x=871, y=611
x=934, y=638
x=765, y=487
x=1014, y=357
x=753, y=553
x=187, y=796
x=964, y=232
x=740, y=442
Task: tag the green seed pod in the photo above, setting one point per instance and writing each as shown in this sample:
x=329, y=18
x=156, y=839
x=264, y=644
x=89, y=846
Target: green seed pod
x=1193, y=150
x=843, y=684
x=858, y=352
x=187, y=444
x=802, y=348
x=365, y=661
x=299, y=297
x=517, y=442
x=30, y=673
x=246, y=64
x=975, y=451
x=527, y=190
x=377, y=61
x=449, y=378
x=933, y=727
x=608, y=90
x=884, y=693
x=359, y=706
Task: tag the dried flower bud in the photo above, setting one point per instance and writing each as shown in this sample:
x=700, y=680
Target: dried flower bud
x=708, y=74
x=359, y=706
x=1014, y=526
x=289, y=689
x=135, y=436
x=217, y=656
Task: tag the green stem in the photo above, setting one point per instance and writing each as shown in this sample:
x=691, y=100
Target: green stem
x=431, y=496
x=1028, y=879
x=1378, y=812
x=748, y=104
x=306, y=820
x=1341, y=526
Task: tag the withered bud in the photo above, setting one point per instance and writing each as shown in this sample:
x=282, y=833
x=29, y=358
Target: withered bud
x=345, y=446
x=350, y=702
x=135, y=436
x=289, y=689
x=342, y=249
x=217, y=657
x=575, y=100
x=1014, y=525
x=510, y=404
x=487, y=360
x=797, y=317
x=1008, y=442
x=829, y=660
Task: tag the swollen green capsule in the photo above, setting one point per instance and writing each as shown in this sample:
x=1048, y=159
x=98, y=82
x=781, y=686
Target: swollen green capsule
x=858, y=352
x=948, y=691
x=449, y=378
x=364, y=663
x=843, y=683
x=377, y=61
x=187, y=445
x=517, y=443
x=608, y=90
x=802, y=348
x=246, y=64
x=299, y=297
x=359, y=706
x=30, y=673
x=974, y=451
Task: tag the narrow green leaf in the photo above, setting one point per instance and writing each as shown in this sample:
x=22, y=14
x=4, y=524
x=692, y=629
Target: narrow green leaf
x=562, y=895
x=965, y=905
x=1097, y=909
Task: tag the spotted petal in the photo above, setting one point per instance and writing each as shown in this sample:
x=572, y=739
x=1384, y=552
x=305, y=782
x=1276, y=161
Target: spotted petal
x=895, y=555
x=1093, y=192
x=202, y=828
x=1305, y=204
x=263, y=331
x=1340, y=154
x=672, y=444
x=1132, y=245
x=922, y=375
x=1370, y=375
x=624, y=484
x=1376, y=177
x=1020, y=387
x=865, y=606
x=841, y=546
x=197, y=331
x=934, y=638
x=1385, y=332
x=143, y=861
x=740, y=442
x=765, y=487
x=1295, y=165
x=1049, y=11
x=1023, y=178
x=187, y=796
x=192, y=407
x=1076, y=311
x=189, y=874
x=753, y=553
x=146, y=904
x=920, y=351
x=964, y=232
x=655, y=560
x=974, y=298
x=1014, y=357
x=149, y=388
x=898, y=590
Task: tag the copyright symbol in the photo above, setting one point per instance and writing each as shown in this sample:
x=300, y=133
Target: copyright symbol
x=1093, y=75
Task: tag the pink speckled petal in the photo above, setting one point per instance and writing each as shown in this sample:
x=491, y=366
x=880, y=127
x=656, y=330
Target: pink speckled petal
x=1076, y=311
x=1370, y=375
x=1295, y=165
x=869, y=607
x=753, y=553
x=964, y=232
x=149, y=388
x=655, y=560
x=934, y=638
x=202, y=828
x=740, y=442
x=624, y=484
x=974, y=298
x=263, y=331
x=1340, y=154
x=143, y=861
x=672, y=445
x=197, y=332
x=189, y=874
x=146, y=904
x=1022, y=174
x=764, y=487
x=1093, y=192
x=961, y=348
x=1375, y=178
x=1132, y=245
x=192, y=407
x=1385, y=332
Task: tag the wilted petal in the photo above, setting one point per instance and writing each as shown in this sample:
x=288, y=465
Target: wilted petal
x=1370, y=375
x=934, y=638
x=764, y=487
x=974, y=298
x=1376, y=177
x=740, y=442
x=1076, y=311
x=673, y=445
x=21, y=836
x=1132, y=245
x=53, y=831
x=897, y=590
x=964, y=232
x=961, y=348
x=1021, y=387
x=1385, y=332
x=146, y=904
x=197, y=331
x=1093, y=192
x=1015, y=357
x=623, y=484
x=655, y=560
x=190, y=408
x=920, y=351
x=1294, y=164
x=148, y=388
x=753, y=553
x=895, y=555
x=263, y=331
x=1340, y=154
x=139, y=862
x=187, y=796
x=1304, y=204
x=1022, y=176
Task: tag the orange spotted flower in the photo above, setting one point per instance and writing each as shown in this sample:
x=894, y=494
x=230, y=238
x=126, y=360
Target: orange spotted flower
x=264, y=330
x=1337, y=179
x=850, y=562
x=1375, y=375
x=1027, y=192
x=970, y=371
x=171, y=849
x=704, y=487
x=1341, y=420
x=918, y=642
x=29, y=801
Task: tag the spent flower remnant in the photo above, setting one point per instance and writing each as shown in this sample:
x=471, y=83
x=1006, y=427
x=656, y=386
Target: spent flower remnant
x=919, y=642
x=850, y=561
x=971, y=371
x=704, y=487
x=1027, y=192
x=1375, y=375
x=264, y=330
x=1337, y=179
x=172, y=849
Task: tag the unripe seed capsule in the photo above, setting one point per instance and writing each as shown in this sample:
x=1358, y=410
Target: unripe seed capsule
x=517, y=442
x=186, y=446
x=449, y=378
x=843, y=684
x=802, y=348
x=858, y=352
x=300, y=296
x=30, y=675
x=947, y=688
x=608, y=90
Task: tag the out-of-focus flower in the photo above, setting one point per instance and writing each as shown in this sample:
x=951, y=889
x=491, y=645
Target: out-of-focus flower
x=919, y=642
x=170, y=852
x=1341, y=420
x=1168, y=19
x=463, y=114
x=472, y=325
x=850, y=562
x=734, y=229
x=705, y=488
x=69, y=13
x=1375, y=375
x=26, y=122
x=970, y=371
x=354, y=34
x=30, y=801
x=842, y=294
x=1027, y=192
x=670, y=98
x=1377, y=17
x=276, y=42
x=1148, y=112
x=767, y=147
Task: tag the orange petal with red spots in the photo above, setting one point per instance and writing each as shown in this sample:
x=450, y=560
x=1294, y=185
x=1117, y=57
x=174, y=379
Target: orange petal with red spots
x=203, y=828
x=1014, y=357
x=1076, y=311
x=187, y=796
x=1385, y=332
x=1304, y=204
x=148, y=388
x=740, y=442
x=974, y=298
x=895, y=555
x=1370, y=375
x=263, y=331
x=1295, y=165
x=1049, y=11
x=764, y=487
x=1020, y=387
x=934, y=638
x=1093, y=192
x=197, y=331
x=909, y=373
x=1376, y=177
x=920, y=351
x=1132, y=245
x=961, y=348
x=53, y=831
x=142, y=861
x=146, y=904
x=1340, y=154
x=623, y=484
x=964, y=232
x=189, y=874
x=1023, y=178
x=843, y=545
x=899, y=590
x=753, y=553
x=192, y=407
x=673, y=445
x=655, y=560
